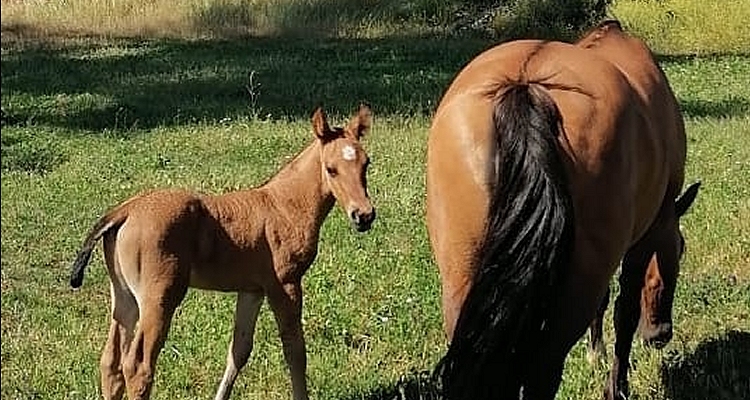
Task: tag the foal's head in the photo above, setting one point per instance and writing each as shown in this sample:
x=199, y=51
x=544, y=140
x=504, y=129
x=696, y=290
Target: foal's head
x=344, y=164
x=657, y=295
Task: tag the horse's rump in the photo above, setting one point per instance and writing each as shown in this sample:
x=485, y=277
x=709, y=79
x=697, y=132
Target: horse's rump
x=523, y=257
x=608, y=156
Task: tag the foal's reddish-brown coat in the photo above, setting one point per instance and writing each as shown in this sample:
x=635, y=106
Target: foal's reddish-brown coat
x=620, y=139
x=257, y=242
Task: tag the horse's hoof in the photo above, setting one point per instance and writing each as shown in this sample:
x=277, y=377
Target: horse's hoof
x=615, y=394
x=597, y=355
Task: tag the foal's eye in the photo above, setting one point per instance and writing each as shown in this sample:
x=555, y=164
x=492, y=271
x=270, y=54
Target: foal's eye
x=332, y=172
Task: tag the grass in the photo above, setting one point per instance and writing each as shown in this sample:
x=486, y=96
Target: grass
x=670, y=26
x=687, y=26
x=221, y=18
x=89, y=121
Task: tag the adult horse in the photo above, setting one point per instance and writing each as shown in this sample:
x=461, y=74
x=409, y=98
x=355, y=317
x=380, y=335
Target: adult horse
x=547, y=164
x=257, y=242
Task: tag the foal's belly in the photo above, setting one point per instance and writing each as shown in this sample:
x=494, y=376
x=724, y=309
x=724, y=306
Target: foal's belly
x=230, y=277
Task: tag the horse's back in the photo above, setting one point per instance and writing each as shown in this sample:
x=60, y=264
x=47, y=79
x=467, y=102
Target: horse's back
x=158, y=211
x=659, y=104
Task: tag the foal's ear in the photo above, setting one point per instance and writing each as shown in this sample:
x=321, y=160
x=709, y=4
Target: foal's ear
x=320, y=125
x=684, y=202
x=361, y=122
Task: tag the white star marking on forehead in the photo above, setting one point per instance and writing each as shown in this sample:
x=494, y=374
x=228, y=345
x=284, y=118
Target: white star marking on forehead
x=349, y=153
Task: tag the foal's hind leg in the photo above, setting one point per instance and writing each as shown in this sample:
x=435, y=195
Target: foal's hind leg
x=159, y=297
x=286, y=304
x=124, y=318
x=627, y=314
x=245, y=317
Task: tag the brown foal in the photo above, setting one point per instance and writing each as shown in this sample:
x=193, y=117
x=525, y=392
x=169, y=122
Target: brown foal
x=257, y=242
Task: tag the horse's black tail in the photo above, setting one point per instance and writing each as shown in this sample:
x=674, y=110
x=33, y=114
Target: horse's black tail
x=113, y=219
x=525, y=254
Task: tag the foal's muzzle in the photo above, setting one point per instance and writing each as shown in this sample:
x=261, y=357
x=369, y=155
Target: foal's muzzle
x=362, y=221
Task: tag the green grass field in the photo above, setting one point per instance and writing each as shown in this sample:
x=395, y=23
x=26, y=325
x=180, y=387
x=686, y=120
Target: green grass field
x=89, y=121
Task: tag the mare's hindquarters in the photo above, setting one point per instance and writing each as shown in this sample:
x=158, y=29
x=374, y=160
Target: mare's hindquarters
x=523, y=256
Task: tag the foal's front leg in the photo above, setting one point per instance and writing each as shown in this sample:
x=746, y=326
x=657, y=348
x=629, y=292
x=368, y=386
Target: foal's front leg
x=286, y=304
x=245, y=317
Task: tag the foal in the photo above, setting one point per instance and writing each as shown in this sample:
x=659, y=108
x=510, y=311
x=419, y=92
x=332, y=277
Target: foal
x=257, y=242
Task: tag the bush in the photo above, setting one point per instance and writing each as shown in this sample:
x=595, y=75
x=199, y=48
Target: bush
x=548, y=19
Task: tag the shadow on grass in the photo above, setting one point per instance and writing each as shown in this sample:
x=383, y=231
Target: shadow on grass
x=686, y=58
x=719, y=369
x=725, y=108
x=728, y=107
x=415, y=386
x=126, y=84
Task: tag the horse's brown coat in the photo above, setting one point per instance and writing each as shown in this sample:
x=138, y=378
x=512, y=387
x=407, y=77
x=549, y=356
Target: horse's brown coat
x=257, y=242
x=623, y=144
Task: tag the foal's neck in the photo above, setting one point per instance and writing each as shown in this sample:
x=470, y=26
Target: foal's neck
x=299, y=191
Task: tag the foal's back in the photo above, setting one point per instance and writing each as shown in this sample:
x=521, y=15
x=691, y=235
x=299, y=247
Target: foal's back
x=208, y=238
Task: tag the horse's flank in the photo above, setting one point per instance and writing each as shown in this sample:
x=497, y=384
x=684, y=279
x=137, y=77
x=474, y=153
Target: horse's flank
x=655, y=97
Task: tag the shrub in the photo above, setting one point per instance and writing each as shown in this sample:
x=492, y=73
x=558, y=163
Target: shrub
x=548, y=19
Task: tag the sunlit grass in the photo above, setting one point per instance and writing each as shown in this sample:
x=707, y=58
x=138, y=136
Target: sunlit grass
x=670, y=26
x=688, y=26
x=222, y=18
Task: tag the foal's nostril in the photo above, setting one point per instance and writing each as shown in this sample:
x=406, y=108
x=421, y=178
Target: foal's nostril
x=355, y=216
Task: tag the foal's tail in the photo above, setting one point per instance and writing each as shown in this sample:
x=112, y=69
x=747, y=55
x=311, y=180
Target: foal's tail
x=525, y=254
x=111, y=220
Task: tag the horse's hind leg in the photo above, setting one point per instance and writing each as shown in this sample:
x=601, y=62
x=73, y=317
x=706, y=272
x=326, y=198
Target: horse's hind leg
x=627, y=315
x=124, y=315
x=124, y=318
x=287, y=308
x=597, y=351
x=571, y=312
x=245, y=317
x=159, y=297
